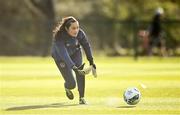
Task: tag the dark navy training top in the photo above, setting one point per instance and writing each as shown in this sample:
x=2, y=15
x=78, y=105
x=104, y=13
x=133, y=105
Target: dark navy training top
x=64, y=46
x=155, y=27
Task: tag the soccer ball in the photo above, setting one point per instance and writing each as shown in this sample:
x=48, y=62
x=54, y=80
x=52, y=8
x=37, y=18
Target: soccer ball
x=132, y=96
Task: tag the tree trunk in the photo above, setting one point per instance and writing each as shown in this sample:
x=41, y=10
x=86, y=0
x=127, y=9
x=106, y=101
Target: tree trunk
x=44, y=10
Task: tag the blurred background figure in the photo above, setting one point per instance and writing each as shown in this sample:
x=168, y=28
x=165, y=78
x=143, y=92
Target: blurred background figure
x=155, y=34
x=143, y=34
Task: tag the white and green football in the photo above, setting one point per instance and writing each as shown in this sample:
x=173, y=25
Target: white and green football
x=132, y=96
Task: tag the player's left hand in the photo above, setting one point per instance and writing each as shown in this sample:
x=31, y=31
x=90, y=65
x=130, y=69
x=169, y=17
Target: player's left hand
x=93, y=65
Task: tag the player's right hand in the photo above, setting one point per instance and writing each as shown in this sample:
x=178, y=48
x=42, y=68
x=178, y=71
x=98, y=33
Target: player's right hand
x=78, y=71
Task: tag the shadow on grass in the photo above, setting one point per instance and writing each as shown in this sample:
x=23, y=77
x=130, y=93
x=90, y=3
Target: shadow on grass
x=28, y=107
x=130, y=106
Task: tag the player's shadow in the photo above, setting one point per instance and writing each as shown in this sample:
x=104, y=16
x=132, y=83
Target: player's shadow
x=54, y=105
x=128, y=106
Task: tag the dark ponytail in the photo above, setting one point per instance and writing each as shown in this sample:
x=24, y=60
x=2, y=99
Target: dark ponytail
x=61, y=27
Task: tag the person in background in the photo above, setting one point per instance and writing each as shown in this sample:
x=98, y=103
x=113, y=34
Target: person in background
x=155, y=33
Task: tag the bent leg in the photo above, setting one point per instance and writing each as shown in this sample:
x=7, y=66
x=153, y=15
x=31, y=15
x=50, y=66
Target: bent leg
x=67, y=75
x=77, y=59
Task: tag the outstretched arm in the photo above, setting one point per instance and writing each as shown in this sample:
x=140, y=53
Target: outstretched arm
x=83, y=40
x=87, y=48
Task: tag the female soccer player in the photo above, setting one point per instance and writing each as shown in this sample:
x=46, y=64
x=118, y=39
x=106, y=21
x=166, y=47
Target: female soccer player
x=66, y=51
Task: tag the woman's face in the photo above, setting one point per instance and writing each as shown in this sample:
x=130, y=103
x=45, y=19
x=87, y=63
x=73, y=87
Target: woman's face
x=73, y=29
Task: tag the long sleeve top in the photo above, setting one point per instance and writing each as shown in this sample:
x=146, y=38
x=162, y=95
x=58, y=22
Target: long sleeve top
x=64, y=46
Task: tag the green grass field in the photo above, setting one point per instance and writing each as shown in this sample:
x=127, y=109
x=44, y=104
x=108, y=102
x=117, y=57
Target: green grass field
x=33, y=85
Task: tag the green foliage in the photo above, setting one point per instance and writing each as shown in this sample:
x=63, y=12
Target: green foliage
x=26, y=26
x=138, y=9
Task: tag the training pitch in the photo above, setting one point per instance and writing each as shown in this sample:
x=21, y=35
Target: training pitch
x=34, y=86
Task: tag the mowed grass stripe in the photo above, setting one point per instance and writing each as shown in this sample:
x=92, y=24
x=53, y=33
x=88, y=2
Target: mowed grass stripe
x=55, y=87
x=95, y=103
x=114, y=83
x=101, y=73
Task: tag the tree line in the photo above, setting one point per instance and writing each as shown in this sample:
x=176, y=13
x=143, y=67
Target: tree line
x=111, y=25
